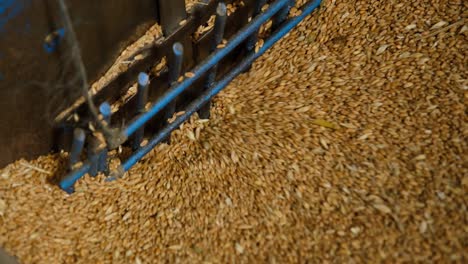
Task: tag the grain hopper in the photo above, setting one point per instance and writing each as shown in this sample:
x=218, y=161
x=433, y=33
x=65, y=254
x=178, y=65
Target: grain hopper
x=51, y=51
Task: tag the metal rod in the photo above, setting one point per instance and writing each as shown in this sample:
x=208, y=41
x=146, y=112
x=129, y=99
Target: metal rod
x=220, y=25
x=175, y=65
x=175, y=68
x=79, y=137
x=67, y=182
x=106, y=112
x=207, y=95
x=70, y=190
x=141, y=99
x=71, y=178
x=93, y=156
x=207, y=64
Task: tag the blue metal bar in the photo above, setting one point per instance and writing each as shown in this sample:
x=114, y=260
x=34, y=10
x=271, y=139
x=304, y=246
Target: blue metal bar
x=68, y=182
x=70, y=179
x=206, y=96
x=207, y=64
x=106, y=112
x=141, y=99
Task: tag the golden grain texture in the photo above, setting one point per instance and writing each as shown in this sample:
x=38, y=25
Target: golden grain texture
x=346, y=142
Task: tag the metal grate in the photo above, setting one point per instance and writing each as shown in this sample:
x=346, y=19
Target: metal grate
x=212, y=68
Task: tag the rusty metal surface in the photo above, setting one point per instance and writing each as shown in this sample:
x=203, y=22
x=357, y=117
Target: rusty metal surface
x=37, y=82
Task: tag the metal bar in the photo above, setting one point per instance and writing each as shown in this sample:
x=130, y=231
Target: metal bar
x=93, y=156
x=67, y=182
x=79, y=137
x=206, y=65
x=220, y=25
x=71, y=178
x=106, y=112
x=206, y=96
x=142, y=97
x=176, y=63
x=175, y=68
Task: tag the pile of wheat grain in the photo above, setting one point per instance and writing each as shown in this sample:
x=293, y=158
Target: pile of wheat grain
x=346, y=142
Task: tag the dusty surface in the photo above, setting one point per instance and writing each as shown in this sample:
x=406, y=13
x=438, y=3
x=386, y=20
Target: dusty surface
x=346, y=142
